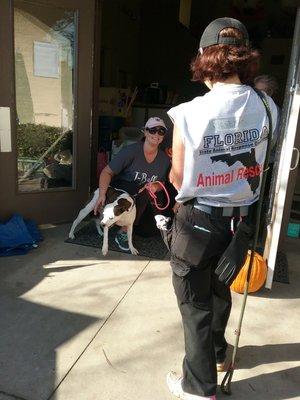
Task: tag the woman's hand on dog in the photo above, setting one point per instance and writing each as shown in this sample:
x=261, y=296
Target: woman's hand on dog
x=100, y=203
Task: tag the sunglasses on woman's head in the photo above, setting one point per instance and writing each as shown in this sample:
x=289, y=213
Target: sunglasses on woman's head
x=157, y=129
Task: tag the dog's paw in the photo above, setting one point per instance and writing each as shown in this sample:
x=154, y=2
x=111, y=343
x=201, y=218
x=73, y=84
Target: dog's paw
x=134, y=251
x=104, y=251
x=162, y=222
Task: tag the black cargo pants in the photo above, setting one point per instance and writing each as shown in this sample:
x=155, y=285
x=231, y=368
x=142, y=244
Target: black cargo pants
x=197, y=242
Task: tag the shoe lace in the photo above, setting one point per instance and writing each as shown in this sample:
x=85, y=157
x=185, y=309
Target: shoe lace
x=123, y=236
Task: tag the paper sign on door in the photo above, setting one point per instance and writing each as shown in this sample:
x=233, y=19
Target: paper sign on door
x=5, y=130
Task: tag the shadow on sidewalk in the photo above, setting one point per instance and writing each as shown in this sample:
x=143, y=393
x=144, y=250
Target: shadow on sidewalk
x=30, y=335
x=278, y=385
x=251, y=356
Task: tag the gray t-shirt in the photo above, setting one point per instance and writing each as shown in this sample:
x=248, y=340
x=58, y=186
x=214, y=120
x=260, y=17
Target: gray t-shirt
x=131, y=165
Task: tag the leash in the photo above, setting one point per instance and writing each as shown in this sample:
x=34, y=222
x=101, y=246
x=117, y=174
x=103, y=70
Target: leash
x=226, y=382
x=153, y=195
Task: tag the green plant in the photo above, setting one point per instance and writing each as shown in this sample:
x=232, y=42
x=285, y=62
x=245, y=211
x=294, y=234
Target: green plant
x=34, y=139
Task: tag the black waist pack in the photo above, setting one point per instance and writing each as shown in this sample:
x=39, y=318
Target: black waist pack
x=234, y=257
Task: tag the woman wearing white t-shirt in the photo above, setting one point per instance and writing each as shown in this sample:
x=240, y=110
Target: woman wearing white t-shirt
x=219, y=147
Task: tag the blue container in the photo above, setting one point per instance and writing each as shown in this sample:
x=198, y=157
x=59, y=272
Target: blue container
x=293, y=230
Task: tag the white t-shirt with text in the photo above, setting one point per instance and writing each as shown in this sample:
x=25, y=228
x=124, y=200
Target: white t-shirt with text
x=224, y=134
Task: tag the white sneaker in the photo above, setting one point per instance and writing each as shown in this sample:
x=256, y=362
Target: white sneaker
x=175, y=385
x=162, y=222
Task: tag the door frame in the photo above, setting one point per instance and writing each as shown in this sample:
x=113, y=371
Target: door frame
x=96, y=93
x=285, y=182
x=59, y=204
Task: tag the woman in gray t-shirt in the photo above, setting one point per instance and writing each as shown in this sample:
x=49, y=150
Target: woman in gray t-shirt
x=135, y=166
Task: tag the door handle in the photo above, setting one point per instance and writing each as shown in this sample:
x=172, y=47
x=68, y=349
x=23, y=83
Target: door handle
x=297, y=159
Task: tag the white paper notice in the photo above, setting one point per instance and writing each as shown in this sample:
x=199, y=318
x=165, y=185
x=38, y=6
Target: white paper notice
x=46, y=60
x=5, y=130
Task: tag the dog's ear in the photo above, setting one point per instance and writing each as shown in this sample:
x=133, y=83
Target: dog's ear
x=122, y=206
x=111, y=195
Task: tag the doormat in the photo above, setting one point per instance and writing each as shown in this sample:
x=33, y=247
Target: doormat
x=281, y=271
x=150, y=247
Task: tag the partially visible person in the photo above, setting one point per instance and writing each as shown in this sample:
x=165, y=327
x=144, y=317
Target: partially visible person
x=131, y=169
x=269, y=85
x=167, y=147
x=266, y=83
x=219, y=147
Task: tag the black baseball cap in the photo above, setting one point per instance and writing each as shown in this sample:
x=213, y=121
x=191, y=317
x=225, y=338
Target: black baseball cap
x=211, y=34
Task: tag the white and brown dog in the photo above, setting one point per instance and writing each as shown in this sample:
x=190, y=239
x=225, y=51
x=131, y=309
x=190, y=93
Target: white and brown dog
x=119, y=210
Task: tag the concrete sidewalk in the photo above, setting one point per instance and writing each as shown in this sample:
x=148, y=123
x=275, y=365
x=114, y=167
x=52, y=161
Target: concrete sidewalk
x=77, y=326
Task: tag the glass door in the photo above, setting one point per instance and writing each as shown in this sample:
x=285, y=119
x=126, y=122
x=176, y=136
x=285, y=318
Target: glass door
x=45, y=71
x=49, y=90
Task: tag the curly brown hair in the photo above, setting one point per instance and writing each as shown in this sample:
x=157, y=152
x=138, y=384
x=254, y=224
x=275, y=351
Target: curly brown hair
x=219, y=62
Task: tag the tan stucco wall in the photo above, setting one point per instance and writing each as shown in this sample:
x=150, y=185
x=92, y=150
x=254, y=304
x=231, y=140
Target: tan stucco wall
x=39, y=99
